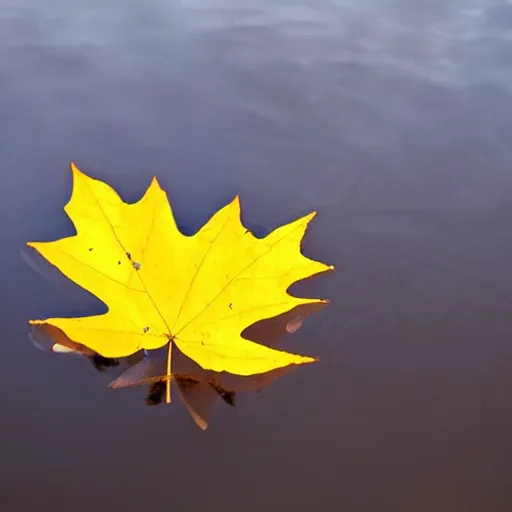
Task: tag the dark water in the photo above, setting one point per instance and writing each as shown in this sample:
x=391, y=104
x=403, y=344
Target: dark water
x=393, y=120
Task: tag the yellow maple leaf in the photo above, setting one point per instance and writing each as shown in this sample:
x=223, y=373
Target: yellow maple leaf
x=160, y=286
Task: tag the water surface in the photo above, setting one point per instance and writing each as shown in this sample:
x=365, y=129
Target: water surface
x=393, y=120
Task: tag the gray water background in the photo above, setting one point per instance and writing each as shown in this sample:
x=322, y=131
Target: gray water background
x=391, y=118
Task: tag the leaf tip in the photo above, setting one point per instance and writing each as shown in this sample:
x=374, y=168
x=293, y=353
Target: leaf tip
x=234, y=206
x=306, y=219
x=76, y=174
x=74, y=169
x=154, y=182
x=310, y=216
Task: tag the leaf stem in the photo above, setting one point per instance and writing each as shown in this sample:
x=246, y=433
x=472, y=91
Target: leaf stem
x=168, y=372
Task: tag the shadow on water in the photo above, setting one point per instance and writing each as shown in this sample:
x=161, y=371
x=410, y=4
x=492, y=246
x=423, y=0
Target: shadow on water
x=392, y=119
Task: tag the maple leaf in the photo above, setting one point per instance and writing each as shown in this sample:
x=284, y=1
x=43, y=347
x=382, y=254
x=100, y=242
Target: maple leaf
x=222, y=279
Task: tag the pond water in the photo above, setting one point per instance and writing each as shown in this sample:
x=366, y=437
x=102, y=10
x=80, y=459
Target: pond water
x=390, y=118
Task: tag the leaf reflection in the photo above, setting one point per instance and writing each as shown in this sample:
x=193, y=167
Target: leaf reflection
x=198, y=388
